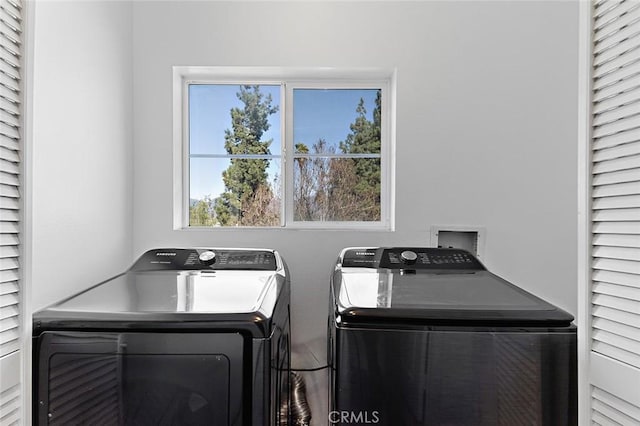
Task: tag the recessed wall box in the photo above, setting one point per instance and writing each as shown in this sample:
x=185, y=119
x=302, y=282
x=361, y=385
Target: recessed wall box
x=468, y=238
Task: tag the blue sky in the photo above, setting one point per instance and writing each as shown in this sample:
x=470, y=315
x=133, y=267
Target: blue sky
x=318, y=113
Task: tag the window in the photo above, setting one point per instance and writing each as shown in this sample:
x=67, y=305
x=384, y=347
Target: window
x=269, y=150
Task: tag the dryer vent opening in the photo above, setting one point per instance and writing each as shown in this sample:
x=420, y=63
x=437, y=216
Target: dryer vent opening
x=469, y=238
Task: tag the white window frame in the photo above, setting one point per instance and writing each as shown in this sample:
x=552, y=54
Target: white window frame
x=289, y=79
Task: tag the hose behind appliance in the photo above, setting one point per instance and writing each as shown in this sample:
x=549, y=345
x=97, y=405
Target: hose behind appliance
x=300, y=411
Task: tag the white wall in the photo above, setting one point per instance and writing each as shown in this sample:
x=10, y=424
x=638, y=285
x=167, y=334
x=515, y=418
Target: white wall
x=486, y=125
x=81, y=146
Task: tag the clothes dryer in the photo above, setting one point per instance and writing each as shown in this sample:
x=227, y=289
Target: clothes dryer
x=184, y=337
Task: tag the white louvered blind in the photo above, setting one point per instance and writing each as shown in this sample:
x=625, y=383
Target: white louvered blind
x=608, y=410
x=10, y=108
x=615, y=215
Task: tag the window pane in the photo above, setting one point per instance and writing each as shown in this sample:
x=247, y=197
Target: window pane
x=331, y=123
x=336, y=121
x=227, y=122
x=234, y=192
x=336, y=189
x=220, y=113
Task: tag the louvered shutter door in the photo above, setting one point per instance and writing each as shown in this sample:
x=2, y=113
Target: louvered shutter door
x=10, y=100
x=615, y=216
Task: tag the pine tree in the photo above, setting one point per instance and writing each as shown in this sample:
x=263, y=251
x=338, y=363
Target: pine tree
x=245, y=180
x=358, y=180
x=365, y=138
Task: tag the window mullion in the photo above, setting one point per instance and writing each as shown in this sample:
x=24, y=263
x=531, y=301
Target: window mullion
x=327, y=155
x=288, y=154
x=238, y=156
x=386, y=163
x=184, y=153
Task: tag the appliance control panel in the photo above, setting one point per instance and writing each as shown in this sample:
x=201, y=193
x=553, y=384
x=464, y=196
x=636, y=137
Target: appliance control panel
x=411, y=258
x=206, y=259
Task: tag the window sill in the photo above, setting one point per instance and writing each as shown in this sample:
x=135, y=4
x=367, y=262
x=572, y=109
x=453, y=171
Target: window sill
x=341, y=228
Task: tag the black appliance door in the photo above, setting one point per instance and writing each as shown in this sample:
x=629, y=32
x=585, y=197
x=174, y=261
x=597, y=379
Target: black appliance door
x=469, y=377
x=114, y=378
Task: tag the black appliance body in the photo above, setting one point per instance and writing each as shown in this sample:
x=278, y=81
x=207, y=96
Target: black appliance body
x=184, y=337
x=427, y=336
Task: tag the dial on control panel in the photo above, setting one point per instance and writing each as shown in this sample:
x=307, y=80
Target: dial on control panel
x=207, y=258
x=408, y=256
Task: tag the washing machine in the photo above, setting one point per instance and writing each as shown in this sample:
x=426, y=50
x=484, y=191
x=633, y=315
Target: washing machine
x=428, y=336
x=195, y=336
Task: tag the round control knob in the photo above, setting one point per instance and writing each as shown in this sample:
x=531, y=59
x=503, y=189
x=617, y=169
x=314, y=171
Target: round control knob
x=207, y=257
x=408, y=256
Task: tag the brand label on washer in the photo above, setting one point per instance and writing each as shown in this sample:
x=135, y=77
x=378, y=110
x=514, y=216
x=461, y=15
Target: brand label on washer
x=363, y=258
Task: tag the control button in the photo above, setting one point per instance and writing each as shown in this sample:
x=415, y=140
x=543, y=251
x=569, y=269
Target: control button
x=408, y=256
x=207, y=257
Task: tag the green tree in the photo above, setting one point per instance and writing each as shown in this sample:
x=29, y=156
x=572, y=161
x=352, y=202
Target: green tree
x=357, y=181
x=245, y=180
x=200, y=214
x=365, y=138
